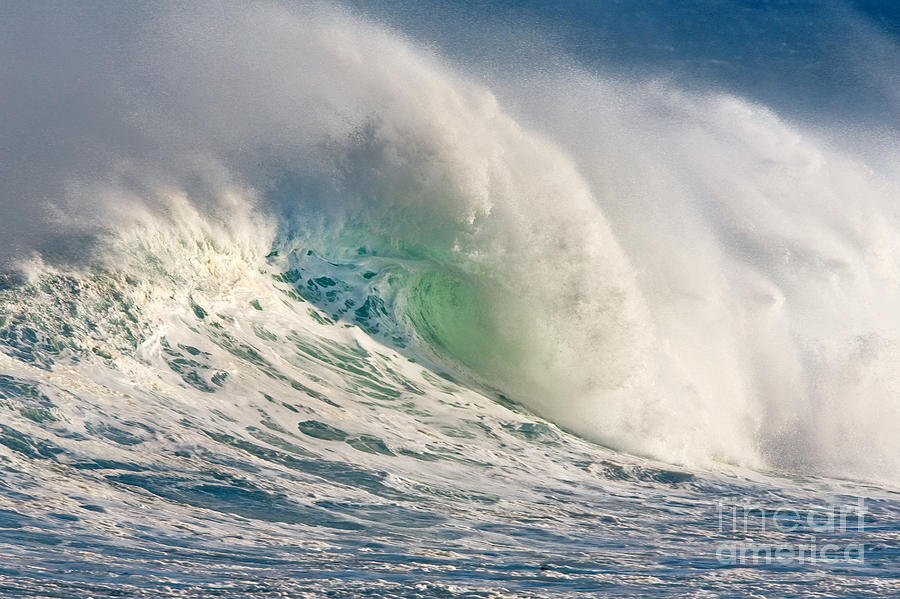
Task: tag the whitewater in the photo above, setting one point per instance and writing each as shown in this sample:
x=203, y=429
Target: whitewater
x=300, y=299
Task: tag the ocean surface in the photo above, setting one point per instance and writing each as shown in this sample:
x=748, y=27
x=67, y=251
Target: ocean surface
x=500, y=299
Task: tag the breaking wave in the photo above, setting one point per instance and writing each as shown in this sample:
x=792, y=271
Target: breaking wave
x=670, y=272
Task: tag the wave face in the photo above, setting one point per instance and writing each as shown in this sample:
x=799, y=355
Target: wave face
x=293, y=304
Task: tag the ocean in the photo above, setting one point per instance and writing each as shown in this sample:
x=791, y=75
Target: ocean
x=475, y=299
